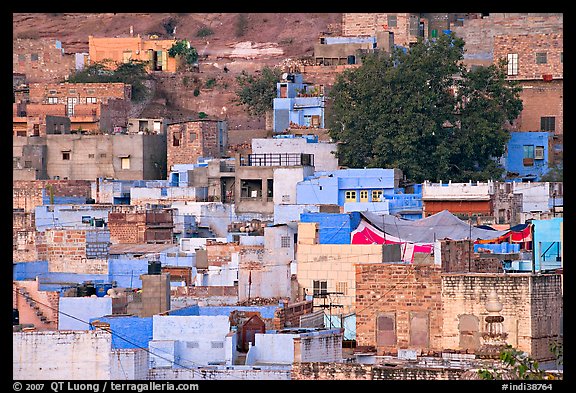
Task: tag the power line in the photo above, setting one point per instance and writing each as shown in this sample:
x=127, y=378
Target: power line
x=108, y=329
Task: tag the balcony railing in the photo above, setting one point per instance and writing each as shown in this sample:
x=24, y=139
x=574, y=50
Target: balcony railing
x=277, y=159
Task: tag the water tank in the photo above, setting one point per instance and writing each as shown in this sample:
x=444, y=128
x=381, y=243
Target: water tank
x=102, y=289
x=89, y=289
x=154, y=267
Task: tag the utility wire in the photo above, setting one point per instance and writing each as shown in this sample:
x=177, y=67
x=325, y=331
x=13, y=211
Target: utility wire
x=109, y=330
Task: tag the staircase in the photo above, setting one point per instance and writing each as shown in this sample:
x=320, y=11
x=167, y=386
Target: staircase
x=45, y=321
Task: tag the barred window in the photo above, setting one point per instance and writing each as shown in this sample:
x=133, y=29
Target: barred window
x=285, y=241
x=541, y=58
x=512, y=63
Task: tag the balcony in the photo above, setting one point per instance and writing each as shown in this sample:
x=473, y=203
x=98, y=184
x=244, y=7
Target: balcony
x=277, y=159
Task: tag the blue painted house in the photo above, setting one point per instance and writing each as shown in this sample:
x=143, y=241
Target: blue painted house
x=297, y=103
x=333, y=228
x=368, y=189
x=527, y=155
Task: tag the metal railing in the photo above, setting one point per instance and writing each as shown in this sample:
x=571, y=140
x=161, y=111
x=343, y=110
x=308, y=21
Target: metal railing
x=277, y=159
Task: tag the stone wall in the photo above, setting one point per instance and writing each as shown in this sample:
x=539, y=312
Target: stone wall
x=40, y=60
x=355, y=371
x=188, y=141
x=103, y=92
x=406, y=296
x=532, y=306
x=76, y=251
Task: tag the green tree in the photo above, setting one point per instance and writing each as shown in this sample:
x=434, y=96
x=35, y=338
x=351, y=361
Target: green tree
x=518, y=365
x=185, y=51
x=132, y=73
x=257, y=93
x=421, y=111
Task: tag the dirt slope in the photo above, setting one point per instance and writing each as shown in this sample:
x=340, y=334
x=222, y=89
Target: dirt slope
x=241, y=42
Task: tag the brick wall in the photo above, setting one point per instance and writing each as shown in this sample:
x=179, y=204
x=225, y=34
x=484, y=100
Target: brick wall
x=402, y=292
x=66, y=251
x=458, y=256
x=27, y=194
x=194, y=139
x=546, y=307
x=103, y=92
x=220, y=254
x=127, y=226
x=362, y=24
x=526, y=46
x=290, y=314
x=478, y=34
x=541, y=99
x=40, y=60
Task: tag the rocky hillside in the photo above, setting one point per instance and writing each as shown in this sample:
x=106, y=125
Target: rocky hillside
x=240, y=42
x=294, y=33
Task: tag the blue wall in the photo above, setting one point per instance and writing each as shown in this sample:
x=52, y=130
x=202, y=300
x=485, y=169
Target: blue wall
x=128, y=332
x=547, y=244
x=29, y=270
x=329, y=187
x=515, y=154
x=126, y=271
x=333, y=228
x=67, y=216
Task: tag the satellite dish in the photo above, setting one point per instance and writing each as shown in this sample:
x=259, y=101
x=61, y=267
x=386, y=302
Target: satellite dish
x=285, y=76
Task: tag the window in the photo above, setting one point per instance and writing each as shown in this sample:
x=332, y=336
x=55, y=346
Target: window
x=548, y=123
x=561, y=57
x=71, y=102
x=34, y=57
x=217, y=344
x=192, y=136
x=90, y=155
x=66, y=155
x=91, y=100
x=315, y=121
x=52, y=100
x=125, y=162
x=377, y=196
x=285, y=241
x=539, y=153
x=102, y=155
x=21, y=57
x=320, y=287
x=176, y=138
x=541, y=58
x=342, y=287
x=469, y=329
x=528, y=151
x=350, y=196
x=36, y=130
x=512, y=63
x=192, y=344
x=363, y=196
x=27, y=164
x=419, y=331
x=385, y=330
x=528, y=158
x=392, y=21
